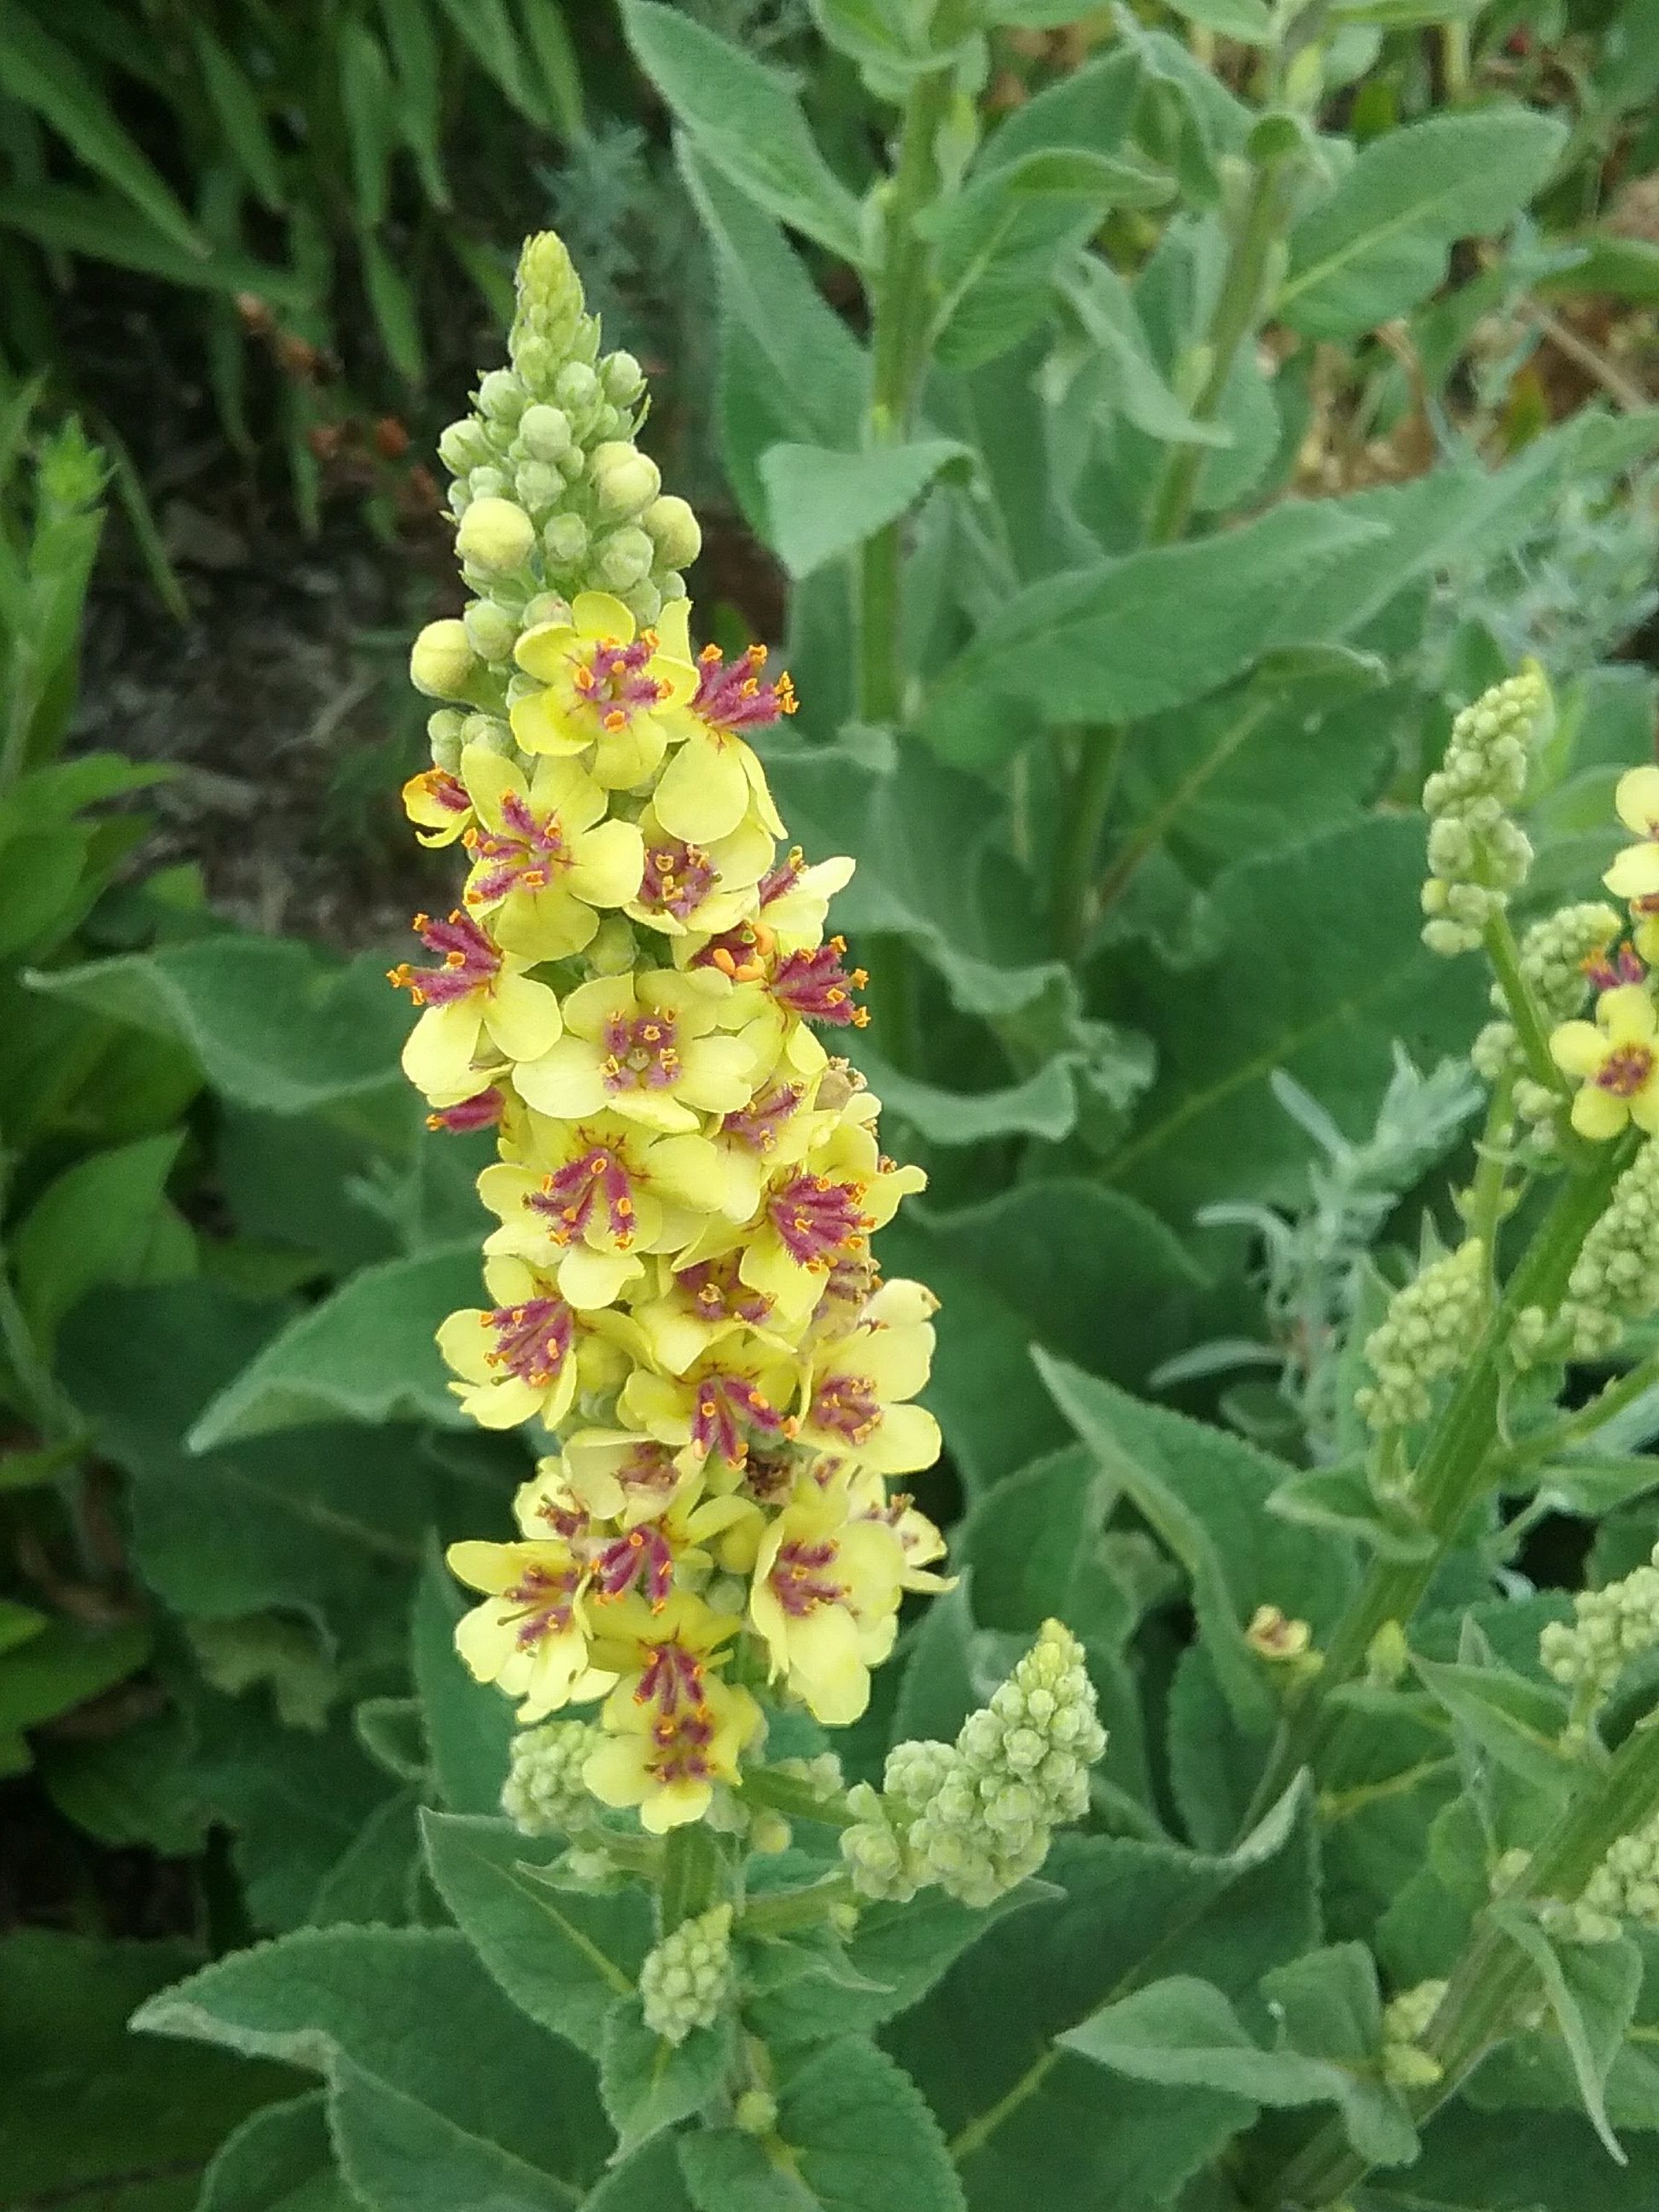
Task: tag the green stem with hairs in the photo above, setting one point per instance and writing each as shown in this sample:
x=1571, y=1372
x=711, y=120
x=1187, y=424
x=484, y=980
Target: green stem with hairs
x=693, y=1875
x=1563, y=1434
x=1238, y=310
x=795, y=1798
x=1494, y=1975
x=898, y=349
x=1499, y=940
x=781, y=1912
x=1456, y=1470
x=1083, y=819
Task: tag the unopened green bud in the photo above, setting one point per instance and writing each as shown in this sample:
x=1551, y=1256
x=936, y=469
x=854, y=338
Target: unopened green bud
x=643, y=601
x=496, y=536
x=489, y=731
x=670, y=584
x=623, y=377
x=770, y=1833
x=549, y=286
x=537, y=485
x=544, y=433
x=624, y=479
x=1610, y=1627
x=491, y=631
x=565, y=538
x=443, y=730
x=502, y=396
x=1614, y=1281
x=673, y=529
x=756, y=2112
x=537, y=359
x=463, y=446
x=576, y=389
x=623, y=559
x=686, y=1982
x=1479, y=856
x=441, y=662
x=614, y=949
x=1423, y=1337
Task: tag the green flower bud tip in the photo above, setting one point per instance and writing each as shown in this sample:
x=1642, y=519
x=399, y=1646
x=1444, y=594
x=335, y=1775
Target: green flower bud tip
x=624, y=479
x=548, y=284
x=463, y=446
x=441, y=662
x=491, y=631
x=544, y=433
x=624, y=558
x=673, y=529
x=686, y=1982
x=443, y=730
x=502, y=396
x=1423, y=1338
x=756, y=2112
x=565, y=538
x=537, y=485
x=576, y=388
x=496, y=536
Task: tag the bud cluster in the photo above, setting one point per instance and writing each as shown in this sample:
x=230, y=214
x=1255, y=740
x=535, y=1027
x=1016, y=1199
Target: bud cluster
x=686, y=1982
x=977, y=1817
x=1625, y=1886
x=1615, y=1279
x=544, y=1793
x=1405, y=2064
x=1423, y=1337
x=1478, y=855
x=1610, y=1627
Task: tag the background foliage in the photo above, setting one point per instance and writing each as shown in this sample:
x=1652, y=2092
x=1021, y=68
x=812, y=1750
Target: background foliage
x=1186, y=585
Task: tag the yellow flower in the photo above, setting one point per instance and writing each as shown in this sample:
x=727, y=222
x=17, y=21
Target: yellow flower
x=697, y=889
x=517, y=1359
x=1635, y=874
x=1615, y=1061
x=735, y=1395
x=825, y=1599
x=544, y=856
x=696, y=1305
x=604, y=687
x=776, y=1126
x=597, y=1194
x=714, y=782
x=821, y=1216
x=666, y=1761
x=438, y=806
x=794, y=899
x=918, y=1540
x=652, y=1047
x=530, y=1635
x=480, y=997
x=861, y=1378
x=619, y=1474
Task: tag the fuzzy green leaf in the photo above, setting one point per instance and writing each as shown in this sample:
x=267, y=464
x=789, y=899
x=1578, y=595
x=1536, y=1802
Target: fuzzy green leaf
x=823, y=503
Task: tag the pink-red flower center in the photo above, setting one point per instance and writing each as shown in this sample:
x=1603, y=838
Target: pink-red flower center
x=641, y=1053
x=676, y=880
x=817, y=1219
x=1627, y=1069
x=524, y=855
x=800, y=1576
x=596, y=1186
x=471, y=961
x=614, y=682
x=532, y=1340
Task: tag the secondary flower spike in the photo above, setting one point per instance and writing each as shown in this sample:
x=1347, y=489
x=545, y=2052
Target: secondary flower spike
x=637, y=992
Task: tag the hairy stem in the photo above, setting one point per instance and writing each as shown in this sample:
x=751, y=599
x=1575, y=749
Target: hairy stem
x=1083, y=818
x=693, y=1875
x=1499, y=940
x=796, y=1799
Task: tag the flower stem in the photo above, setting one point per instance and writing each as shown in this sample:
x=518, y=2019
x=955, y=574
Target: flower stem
x=1498, y=940
x=797, y=1800
x=1587, y=1419
x=1455, y=1472
x=1084, y=816
x=1238, y=308
x=692, y=1875
x=1493, y=1974
x=781, y=1913
x=898, y=339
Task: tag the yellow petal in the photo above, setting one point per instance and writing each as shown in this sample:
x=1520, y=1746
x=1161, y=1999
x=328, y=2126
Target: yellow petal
x=544, y=651
x=1597, y=1115
x=438, y=1052
x=543, y=724
x=704, y=793
x=521, y=1016
x=597, y=614
x=606, y=864
x=1637, y=800
x=1635, y=872
x=1579, y=1048
x=1626, y=1014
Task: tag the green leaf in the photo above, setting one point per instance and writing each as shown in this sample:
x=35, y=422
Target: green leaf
x=1116, y=643
x=375, y=1878
x=1061, y=1265
x=280, y=2160
x=1518, y=1723
x=1105, y=308
x=241, y=119
x=1043, y=1105
x=1091, y=108
x=105, y=1220
x=1628, y=268
x=1591, y=1990
x=64, y=1665
x=45, y=77
x=469, y=1724
x=366, y=1353
x=272, y=1024
x=852, y=2124
x=325, y=1995
x=1488, y=2162
x=1202, y=1491
x=1378, y=244
x=328, y=1522
x=1015, y=2105
x=824, y=503
x=564, y=1955
x=998, y=242
x=1341, y=1499
x=648, y=2084
x=92, y=2114
x=746, y=121
x=399, y=2155
x=1183, y=2033
x=1211, y=1128
x=105, y=229
x=1248, y=20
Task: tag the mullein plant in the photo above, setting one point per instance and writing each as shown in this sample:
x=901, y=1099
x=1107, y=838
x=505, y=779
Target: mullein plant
x=681, y=1298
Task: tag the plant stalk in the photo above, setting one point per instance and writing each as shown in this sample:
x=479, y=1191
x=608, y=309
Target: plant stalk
x=1090, y=794
x=1454, y=1472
